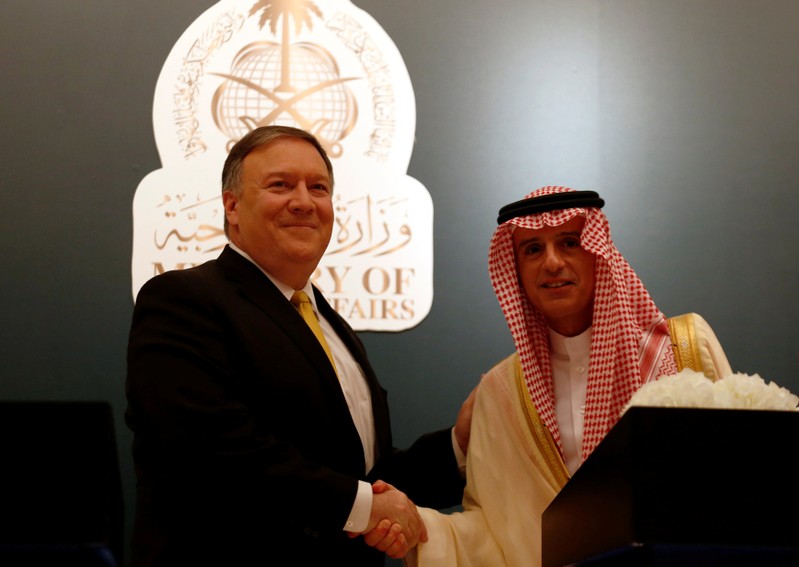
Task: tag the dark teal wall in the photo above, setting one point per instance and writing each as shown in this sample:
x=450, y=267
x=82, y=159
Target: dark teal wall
x=682, y=114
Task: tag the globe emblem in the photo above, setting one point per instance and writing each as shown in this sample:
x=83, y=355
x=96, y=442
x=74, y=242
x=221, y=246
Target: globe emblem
x=259, y=92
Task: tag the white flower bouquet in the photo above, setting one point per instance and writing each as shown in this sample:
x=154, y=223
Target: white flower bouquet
x=736, y=391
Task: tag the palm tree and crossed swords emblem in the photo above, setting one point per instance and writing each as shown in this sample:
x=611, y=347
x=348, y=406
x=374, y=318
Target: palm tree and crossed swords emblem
x=285, y=96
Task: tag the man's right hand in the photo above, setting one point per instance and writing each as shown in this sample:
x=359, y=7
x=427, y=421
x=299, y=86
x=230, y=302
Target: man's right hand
x=395, y=526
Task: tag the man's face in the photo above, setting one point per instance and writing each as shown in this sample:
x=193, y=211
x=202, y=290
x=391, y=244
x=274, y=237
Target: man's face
x=284, y=216
x=557, y=274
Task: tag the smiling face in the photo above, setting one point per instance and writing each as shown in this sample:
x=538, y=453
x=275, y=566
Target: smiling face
x=557, y=274
x=283, y=215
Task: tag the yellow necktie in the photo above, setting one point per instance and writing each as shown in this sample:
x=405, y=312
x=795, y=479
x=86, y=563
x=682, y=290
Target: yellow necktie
x=303, y=305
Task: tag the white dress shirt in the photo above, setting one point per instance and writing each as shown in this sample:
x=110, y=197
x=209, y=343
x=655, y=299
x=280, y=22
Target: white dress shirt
x=356, y=392
x=569, y=358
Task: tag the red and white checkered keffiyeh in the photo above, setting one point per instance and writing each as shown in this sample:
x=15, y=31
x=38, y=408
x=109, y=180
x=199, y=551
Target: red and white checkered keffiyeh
x=630, y=342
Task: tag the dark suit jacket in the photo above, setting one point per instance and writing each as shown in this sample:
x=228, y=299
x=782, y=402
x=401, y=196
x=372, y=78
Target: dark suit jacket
x=244, y=447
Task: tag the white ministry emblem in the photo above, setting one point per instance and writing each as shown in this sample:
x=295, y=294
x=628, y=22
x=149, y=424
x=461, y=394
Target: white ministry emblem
x=324, y=66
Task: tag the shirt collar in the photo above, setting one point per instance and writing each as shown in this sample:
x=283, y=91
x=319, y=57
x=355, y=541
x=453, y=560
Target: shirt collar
x=285, y=289
x=574, y=347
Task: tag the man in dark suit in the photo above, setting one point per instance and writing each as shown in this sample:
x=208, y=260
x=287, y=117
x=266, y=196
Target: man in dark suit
x=250, y=444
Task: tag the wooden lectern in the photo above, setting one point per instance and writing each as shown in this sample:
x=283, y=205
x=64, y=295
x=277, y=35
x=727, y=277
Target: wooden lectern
x=683, y=487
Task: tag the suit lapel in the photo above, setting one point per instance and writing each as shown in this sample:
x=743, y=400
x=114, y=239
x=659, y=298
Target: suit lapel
x=258, y=289
x=355, y=346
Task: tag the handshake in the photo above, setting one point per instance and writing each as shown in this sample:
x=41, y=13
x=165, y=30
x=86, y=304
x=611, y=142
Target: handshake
x=395, y=526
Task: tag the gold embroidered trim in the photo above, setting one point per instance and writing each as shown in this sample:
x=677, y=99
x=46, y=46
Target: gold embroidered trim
x=683, y=341
x=540, y=433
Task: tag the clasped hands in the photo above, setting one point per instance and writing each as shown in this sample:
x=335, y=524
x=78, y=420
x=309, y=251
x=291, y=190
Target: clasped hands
x=395, y=526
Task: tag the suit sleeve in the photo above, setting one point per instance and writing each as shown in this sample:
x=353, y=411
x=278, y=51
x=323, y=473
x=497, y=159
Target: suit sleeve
x=427, y=472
